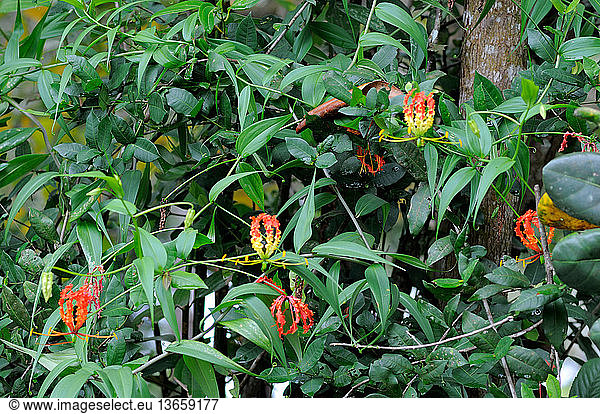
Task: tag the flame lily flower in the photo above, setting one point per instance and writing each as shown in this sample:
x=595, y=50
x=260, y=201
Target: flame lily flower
x=524, y=229
x=73, y=307
x=370, y=166
x=299, y=310
x=419, y=113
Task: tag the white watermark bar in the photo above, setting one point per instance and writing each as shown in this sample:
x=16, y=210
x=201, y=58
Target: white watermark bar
x=291, y=405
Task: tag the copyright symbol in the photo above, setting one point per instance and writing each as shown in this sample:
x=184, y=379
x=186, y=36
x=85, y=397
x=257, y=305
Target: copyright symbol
x=13, y=404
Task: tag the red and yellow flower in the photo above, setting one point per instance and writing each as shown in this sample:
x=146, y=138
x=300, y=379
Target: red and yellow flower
x=300, y=312
x=419, y=111
x=524, y=229
x=419, y=114
x=73, y=307
x=374, y=164
x=265, y=244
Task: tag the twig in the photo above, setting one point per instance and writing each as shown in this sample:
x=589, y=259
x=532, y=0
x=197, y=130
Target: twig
x=254, y=364
x=547, y=258
x=550, y=272
x=367, y=24
x=509, y=378
x=409, y=384
x=434, y=33
x=355, y=387
x=347, y=208
x=166, y=352
x=524, y=331
x=283, y=32
x=420, y=346
x=38, y=124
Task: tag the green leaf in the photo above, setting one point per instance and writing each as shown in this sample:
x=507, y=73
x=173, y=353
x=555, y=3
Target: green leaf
x=206, y=353
x=302, y=72
x=526, y=391
x=145, y=150
x=576, y=259
x=339, y=248
x=486, y=340
x=301, y=149
x=486, y=292
x=28, y=189
x=184, y=243
x=595, y=332
x=252, y=185
x=439, y=249
x=259, y=313
x=18, y=167
x=541, y=44
x=165, y=298
x=313, y=354
x=587, y=381
x=397, y=16
x=183, y=102
x=529, y=92
x=573, y=183
x=508, y=277
x=523, y=361
x=187, y=280
x=372, y=39
x=203, y=374
x=367, y=204
x=535, y=298
x=145, y=270
x=243, y=4
x=579, y=48
x=256, y=135
x=14, y=307
x=553, y=387
x=554, y=322
x=303, y=229
x=13, y=137
x=121, y=380
x=152, y=247
x=181, y=7
x=455, y=183
x=69, y=386
x=486, y=95
x=413, y=309
x=491, y=171
x=333, y=34
x=379, y=284
x=90, y=240
x=119, y=206
x=223, y=183
x=121, y=130
x=420, y=207
x=249, y=330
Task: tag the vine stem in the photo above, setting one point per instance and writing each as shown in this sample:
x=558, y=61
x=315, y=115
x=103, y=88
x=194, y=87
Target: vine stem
x=166, y=352
x=420, y=346
x=509, y=378
x=550, y=271
x=367, y=24
x=287, y=26
x=347, y=208
x=38, y=124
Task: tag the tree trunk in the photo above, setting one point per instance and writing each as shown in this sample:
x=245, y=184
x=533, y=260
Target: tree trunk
x=492, y=49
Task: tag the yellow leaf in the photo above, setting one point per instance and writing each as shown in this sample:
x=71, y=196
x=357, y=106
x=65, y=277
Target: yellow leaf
x=552, y=216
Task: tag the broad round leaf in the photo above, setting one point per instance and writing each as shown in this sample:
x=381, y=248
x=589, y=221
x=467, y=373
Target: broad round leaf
x=576, y=259
x=573, y=183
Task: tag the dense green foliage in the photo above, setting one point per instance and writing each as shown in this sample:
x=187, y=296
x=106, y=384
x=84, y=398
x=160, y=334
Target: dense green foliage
x=165, y=128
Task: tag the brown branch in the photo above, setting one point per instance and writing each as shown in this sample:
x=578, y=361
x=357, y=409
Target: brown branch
x=509, y=378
